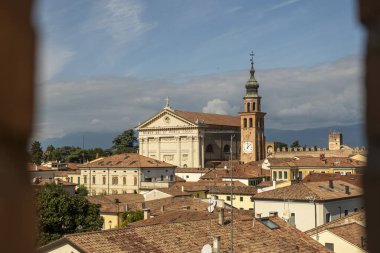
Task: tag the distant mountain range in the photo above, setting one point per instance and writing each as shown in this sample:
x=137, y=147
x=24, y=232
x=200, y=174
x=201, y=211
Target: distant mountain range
x=353, y=135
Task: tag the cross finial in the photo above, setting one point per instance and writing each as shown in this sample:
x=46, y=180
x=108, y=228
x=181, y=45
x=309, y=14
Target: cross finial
x=167, y=102
x=251, y=54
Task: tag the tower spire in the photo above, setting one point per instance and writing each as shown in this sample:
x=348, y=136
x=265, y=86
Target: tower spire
x=252, y=85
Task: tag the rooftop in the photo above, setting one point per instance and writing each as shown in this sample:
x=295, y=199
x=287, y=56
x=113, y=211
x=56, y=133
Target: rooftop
x=318, y=191
x=209, y=119
x=309, y=161
x=355, y=179
x=191, y=236
x=191, y=170
x=127, y=160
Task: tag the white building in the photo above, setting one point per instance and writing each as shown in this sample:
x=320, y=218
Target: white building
x=344, y=235
x=191, y=174
x=308, y=205
x=126, y=173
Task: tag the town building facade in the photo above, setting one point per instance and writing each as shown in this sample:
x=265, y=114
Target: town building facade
x=126, y=173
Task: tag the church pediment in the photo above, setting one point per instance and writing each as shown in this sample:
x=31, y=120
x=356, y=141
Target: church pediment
x=165, y=119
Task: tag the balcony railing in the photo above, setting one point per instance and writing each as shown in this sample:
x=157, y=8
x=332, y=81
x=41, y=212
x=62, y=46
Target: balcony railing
x=156, y=185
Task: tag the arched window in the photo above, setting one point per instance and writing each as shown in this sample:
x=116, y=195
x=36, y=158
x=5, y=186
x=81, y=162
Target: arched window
x=245, y=123
x=209, y=149
x=248, y=107
x=226, y=149
x=250, y=122
x=253, y=106
x=124, y=180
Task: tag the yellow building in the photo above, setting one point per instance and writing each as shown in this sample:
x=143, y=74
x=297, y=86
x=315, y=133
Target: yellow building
x=241, y=198
x=299, y=167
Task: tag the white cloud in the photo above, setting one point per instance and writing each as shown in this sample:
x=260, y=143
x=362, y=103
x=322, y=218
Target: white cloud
x=293, y=98
x=283, y=4
x=121, y=19
x=219, y=106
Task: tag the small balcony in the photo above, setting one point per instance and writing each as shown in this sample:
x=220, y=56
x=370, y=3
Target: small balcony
x=155, y=185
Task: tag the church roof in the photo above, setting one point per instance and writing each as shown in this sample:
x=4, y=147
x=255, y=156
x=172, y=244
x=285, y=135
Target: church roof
x=209, y=118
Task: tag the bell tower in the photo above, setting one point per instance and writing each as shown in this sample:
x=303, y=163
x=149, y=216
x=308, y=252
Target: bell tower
x=252, y=122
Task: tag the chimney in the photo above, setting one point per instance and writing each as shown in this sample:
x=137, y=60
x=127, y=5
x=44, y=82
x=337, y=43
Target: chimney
x=216, y=244
x=221, y=217
x=347, y=187
x=146, y=214
x=162, y=208
x=331, y=184
x=126, y=207
x=273, y=214
x=185, y=207
x=182, y=188
x=258, y=215
x=36, y=167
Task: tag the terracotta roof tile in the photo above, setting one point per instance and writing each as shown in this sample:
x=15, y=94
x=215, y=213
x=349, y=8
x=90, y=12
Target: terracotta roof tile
x=127, y=160
x=210, y=119
x=355, y=179
x=352, y=232
x=309, y=161
x=191, y=236
x=319, y=191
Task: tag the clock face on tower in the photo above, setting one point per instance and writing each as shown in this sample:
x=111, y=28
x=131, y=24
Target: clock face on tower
x=247, y=147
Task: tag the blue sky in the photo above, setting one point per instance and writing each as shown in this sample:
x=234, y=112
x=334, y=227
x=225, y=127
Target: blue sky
x=106, y=65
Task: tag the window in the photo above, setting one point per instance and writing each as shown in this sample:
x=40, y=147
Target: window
x=280, y=175
x=71, y=179
x=328, y=217
x=162, y=178
x=345, y=212
x=115, y=180
x=329, y=246
x=168, y=158
x=184, y=157
x=171, y=178
x=241, y=199
x=245, y=123
x=248, y=107
x=228, y=198
x=209, y=149
x=285, y=175
x=226, y=149
x=85, y=179
x=93, y=179
x=187, y=176
x=134, y=180
x=104, y=179
x=250, y=122
x=114, y=192
x=355, y=210
x=253, y=106
x=274, y=175
x=124, y=180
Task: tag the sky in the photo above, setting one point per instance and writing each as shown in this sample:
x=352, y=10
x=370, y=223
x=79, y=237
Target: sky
x=105, y=66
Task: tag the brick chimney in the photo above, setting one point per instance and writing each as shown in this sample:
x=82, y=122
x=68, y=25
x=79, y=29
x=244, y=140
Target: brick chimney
x=221, y=217
x=273, y=214
x=258, y=215
x=162, y=208
x=216, y=244
x=331, y=184
x=347, y=188
x=146, y=214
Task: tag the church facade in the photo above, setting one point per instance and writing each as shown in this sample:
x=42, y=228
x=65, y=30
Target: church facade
x=189, y=139
x=193, y=139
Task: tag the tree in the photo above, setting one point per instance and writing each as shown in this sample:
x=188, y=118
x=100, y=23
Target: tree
x=295, y=144
x=124, y=142
x=82, y=191
x=36, y=153
x=60, y=213
x=280, y=145
x=131, y=216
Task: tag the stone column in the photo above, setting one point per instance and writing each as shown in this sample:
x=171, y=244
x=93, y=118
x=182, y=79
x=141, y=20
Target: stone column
x=179, y=151
x=191, y=155
x=158, y=148
x=202, y=151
